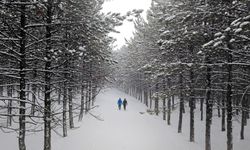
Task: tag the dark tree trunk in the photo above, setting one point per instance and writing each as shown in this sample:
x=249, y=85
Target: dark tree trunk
x=183, y=107
x=146, y=97
x=208, y=108
x=9, y=94
x=169, y=110
x=173, y=102
x=157, y=99
x=169, y=104
x=243, y=118
x=201, y=108
x=71, y=117
x=229, y=101
x=82, y=103
x=1, y=90
x=94, y=92
x=192, y=103
x=22, y=95
x=65, y=97
x=90, y=95
x=47, y=98
x=164, y=107
x=218, y=107
x=87, y=97
x=164, y=100
x=150, y=99
x=223, y=116
x=181, y=103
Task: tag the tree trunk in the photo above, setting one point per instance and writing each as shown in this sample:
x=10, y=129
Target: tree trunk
x=9, y=94
x=71, y=117
x=82, y=103
x=164, y=100
x=94, y=93
x=181, y=103
x=87, y=97
x=223, y=116
x=243, y=117
x=169, y=110
x=192, y=103
x=218, y=107
x=208, y=108
x=47, y=98
x=1, y=90
x=22, y=96
x=146, y=97
x=34, y=92
x=157, y=99
x=201, y=108
x=65, y=97
x=173, y=102
x=229, y=99
x=90, y=95
x=150, y=99
x=169, y=102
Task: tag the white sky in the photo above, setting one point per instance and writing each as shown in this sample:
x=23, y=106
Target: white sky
x=123, y=6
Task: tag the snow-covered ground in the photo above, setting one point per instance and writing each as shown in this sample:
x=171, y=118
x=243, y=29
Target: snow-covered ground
x=133, y=129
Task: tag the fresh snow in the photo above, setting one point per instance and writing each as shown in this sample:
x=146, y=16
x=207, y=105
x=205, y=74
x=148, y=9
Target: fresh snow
x=107, y=128
x=133, y=129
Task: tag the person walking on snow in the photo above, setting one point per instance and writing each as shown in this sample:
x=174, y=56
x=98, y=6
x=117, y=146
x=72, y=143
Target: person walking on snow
x=119, y=102
x=125, y=103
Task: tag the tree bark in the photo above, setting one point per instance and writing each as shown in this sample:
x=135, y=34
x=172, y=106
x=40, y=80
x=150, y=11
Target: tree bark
x=223, y=116
x=9, y=94
x=201, y=108
x=169, y=103
x=82, y=103
x=243, y=118
x=146, y=97
x=208, y=108
x=65, y=97
x=22, y=96
x=192, y=103
x=47, y=98
x=173, y=102
x=181, y=103
x=90, y=95
x=71, y=117
x=169, y=111
x=157, y=99
x=87, y=97
x=150, y=98
x=1, y=90
x=218, y=107
x=229, y=101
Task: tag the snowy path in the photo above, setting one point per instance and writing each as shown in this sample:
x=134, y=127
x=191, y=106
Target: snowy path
x=123, y=130
x=130, y=130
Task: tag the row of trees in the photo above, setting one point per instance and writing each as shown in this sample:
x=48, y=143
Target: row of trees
x=197, y=51
x=51, y=50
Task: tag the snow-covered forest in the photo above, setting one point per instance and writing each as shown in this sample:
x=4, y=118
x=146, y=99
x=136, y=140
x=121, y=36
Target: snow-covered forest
x=185, y=73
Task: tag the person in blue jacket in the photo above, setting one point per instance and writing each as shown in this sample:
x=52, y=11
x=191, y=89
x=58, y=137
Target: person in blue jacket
x=119, y=102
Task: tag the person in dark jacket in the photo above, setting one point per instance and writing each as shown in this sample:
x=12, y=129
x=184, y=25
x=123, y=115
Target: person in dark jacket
x=119, y=103
x=125, y=103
